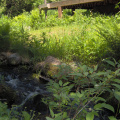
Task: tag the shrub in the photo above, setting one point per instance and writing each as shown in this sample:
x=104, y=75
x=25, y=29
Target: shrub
x=6, y=114
x=4, y=33
x=109, y=31
x=15, y=7
x=65, y=104
x=35, y=18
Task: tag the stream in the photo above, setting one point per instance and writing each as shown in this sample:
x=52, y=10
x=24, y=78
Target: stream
x=26, y=92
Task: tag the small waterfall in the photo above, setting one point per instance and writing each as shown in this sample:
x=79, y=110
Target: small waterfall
x=30, y=96
x=13, y=83
x=26, y=89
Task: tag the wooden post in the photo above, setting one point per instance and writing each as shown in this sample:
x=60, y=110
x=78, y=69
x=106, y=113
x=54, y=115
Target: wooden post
x=45, y=13
x=73, y=10
x=45, y=2
x=59, y=11
x=40, y=13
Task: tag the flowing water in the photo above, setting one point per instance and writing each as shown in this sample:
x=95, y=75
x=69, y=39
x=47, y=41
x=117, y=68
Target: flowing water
x=28, y=90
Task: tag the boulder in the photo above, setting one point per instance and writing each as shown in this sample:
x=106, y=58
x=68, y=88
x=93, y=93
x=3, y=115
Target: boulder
x=8, y=58
x=7, y=94
x=4, y=58
x=14, y=59
x=49, y=67
x=54, y=68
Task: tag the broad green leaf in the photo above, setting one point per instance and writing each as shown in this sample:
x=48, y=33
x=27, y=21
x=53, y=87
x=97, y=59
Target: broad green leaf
x=65, y=115
x=117, y=71
x=51, y=112
x=84, y=68
x=100, y=73
x=100, y=99
x=72, y=94
x=26, y=115
x=79, y=95
x=118, y=65
x=98, y=106
x=117, y=95
x=117, y=86
x=5, y=118
x=52, y=103
x=77, y=74
x=65, y=84
x=58, y=116
x=90, y=116
x=90, y=70
x=110, y=63
x=95, y=113
x=107, y=106
x=57, y=96
x=103, y=105
x=112, y=118
x=114, y=61
x=96, y=67
x=56, y=85
x=109, y=76
x=116, y=80
x=85, y=73
x=49, y=118
x=60, y=83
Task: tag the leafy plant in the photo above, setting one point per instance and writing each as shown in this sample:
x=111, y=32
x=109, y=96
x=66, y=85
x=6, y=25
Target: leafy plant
x=110, y=34
x=4, y=33
x=92, y=84
x=6, y=114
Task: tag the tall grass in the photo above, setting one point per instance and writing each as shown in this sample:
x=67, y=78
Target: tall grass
x=86, y=37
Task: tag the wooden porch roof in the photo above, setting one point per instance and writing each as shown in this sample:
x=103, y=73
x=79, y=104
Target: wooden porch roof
x=85, y=4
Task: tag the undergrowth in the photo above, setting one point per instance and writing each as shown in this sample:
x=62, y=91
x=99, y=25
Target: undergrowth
x=96, y=91
x=87, y=96
x=87, y=37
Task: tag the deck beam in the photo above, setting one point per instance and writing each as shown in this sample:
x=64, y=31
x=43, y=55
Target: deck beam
x=75, y=4
x=67, y=3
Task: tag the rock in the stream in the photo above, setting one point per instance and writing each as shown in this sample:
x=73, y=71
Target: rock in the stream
x=54, y=68
x=7, y=94
x=8, y=58
x=49, y=67
x=14, y=59
x=35, y=103
x=4, y=58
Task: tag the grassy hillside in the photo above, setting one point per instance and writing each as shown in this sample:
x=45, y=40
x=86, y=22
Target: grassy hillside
x=86, y=37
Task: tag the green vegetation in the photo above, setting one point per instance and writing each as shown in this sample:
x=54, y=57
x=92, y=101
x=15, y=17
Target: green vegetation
x=6, y=114
x=91, y=85
x=86, y=37
x=79, y=37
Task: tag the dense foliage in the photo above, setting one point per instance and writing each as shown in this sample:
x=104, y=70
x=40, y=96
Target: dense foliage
x=91, y=85
x=15, y=7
